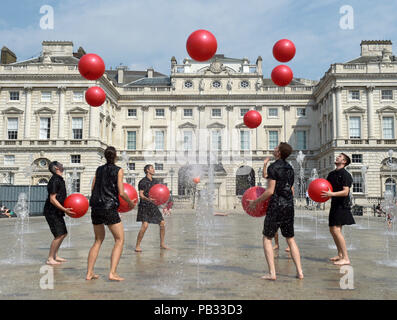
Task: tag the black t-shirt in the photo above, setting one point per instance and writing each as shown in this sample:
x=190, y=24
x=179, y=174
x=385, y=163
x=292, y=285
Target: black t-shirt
x=105, y=194
x=56, y=185
x=283, y=173
x=145, y=184
x=339, y=179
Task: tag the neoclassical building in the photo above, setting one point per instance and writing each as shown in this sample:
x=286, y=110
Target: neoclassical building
x=191, y=121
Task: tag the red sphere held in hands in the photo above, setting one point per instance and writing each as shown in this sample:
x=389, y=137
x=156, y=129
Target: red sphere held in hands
x=95, y=96
x=316, y=187
x=160, y=194
x=131, y=193
x=282, y=75
x=284, y=50
x=78, y=203
x=196, y=180
x=252, y=119
x=91, y=66
x=252, y=194
x=201, y=45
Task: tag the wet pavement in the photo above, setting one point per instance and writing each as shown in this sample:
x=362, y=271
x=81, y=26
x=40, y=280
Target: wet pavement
x=211, y=257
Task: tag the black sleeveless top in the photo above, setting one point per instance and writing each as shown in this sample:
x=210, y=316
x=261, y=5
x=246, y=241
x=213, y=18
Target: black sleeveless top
x=105, y=194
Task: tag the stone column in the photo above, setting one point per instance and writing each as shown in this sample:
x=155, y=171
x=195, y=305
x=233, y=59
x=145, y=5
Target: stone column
x=61, y=112
x=332, y=96
x=110, y=140
x=229, y=128
x=146, y=132
x=339, y=112
x=370, y=90
x=94, y=123
x=285, y=108
x=28, y=112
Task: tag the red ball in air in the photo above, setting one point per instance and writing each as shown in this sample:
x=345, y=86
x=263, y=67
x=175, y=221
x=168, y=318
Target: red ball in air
x=284, y=50
x=282, y=75
x=252, y=119
x=91, y=66
x=201, y=45
x=95, y=96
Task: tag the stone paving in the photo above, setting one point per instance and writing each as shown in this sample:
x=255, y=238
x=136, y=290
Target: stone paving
x=211, y=257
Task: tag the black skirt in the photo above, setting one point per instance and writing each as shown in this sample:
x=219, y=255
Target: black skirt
x=56, y=223
x=149, y=212
x=339, y=216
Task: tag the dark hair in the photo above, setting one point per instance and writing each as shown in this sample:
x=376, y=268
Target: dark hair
x=146, y=168
x=54, y=164
x=347, y=158
x=110, y=155
x=285, y=150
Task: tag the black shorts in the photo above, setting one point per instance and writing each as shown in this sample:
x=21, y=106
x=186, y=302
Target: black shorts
x=105, y=216
x=283, y=219
x=56, y=223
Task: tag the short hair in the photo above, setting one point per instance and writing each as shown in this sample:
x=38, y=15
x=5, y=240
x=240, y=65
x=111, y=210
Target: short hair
x=347, y=158
x=110, y=155
x=53, y=164
x=146, y=168
x=285, y=150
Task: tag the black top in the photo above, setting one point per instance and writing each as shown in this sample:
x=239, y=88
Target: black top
x=145, y=184
x=283, y=173
x=339, y=179
x=56, y=185
x=106, y=193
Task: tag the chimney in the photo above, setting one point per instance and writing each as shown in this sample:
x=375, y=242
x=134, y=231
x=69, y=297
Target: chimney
x=259, y=65
x=7, y=56
x=150, y=72
x=120, y=73
x=81, y=52
x=58, y=48
x=370, y=48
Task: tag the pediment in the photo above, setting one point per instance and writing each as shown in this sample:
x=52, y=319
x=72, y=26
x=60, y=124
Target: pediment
x=187, y=125
x=387, y=109
x=77, y=110
x=355, y=109
x=241, y=125
x=216, y=125
x=12, y=110
x=45, y=110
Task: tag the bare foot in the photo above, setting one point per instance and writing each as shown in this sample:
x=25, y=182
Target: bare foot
x=52, y=262
x=164, y=247
x=59, y=259
x=269, y=277
x=138, y=249
x=91, y=277
x=342, y=262
x=335, y=258
x=276, y=247
x=287, y=249
x=115, y=277
x=299, y=276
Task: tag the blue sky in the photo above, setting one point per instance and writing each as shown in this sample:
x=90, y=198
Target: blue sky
x=147, y=33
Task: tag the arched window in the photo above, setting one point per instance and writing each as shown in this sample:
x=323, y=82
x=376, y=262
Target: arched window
x=43, y=182
x=245, y=179
x=390, y=185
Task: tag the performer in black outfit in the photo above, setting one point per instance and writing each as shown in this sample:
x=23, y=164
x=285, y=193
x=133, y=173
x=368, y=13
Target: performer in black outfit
x=340, y=212
x=106, y=188
x=54, y=211
x=148, y=212
x=280, y=212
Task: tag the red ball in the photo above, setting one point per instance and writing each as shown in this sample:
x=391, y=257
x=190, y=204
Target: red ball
x=132, y=195
x=252, y=194
x=91, y=66
x=282, y=75
x=252, y=119
x=196, y=180
x=201, y=45
x=95, y=96
x=316, y=187
x=159, y=193
x=284, y=50
x=78, y=203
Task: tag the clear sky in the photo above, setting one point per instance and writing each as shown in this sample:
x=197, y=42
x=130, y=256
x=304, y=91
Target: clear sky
x=147, y=33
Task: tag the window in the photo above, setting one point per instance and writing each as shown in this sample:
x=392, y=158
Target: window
x=216, y=84
x=357, y=182
x=390, y=185
x=301, y=140
x=75, y=182
x=14, y=95
x=45, y=128
x=273, y=113
x=9, y=160
x=8, y=178
x=46, y=96
x=243, y=111
x=216, y=140
x=131, y=166
x=354, y=94
x=131, y=140
x=12, y=128
x=43, y=182
x=355, y=127
x=244, y=140
x=273, y=139
x=216, y=113
x=77, y=128
x=388, y=127
x=130, y=180
x=244, y=84
x=188, y=113
x=158, y=166
x=78, y=96
x=387, y=94
x=75, y=158
x=357, y=158
x=188, y=84
x=187, y=140
x=159, y=140
x=301, y=112
x=160, y=113
x=132, y=113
